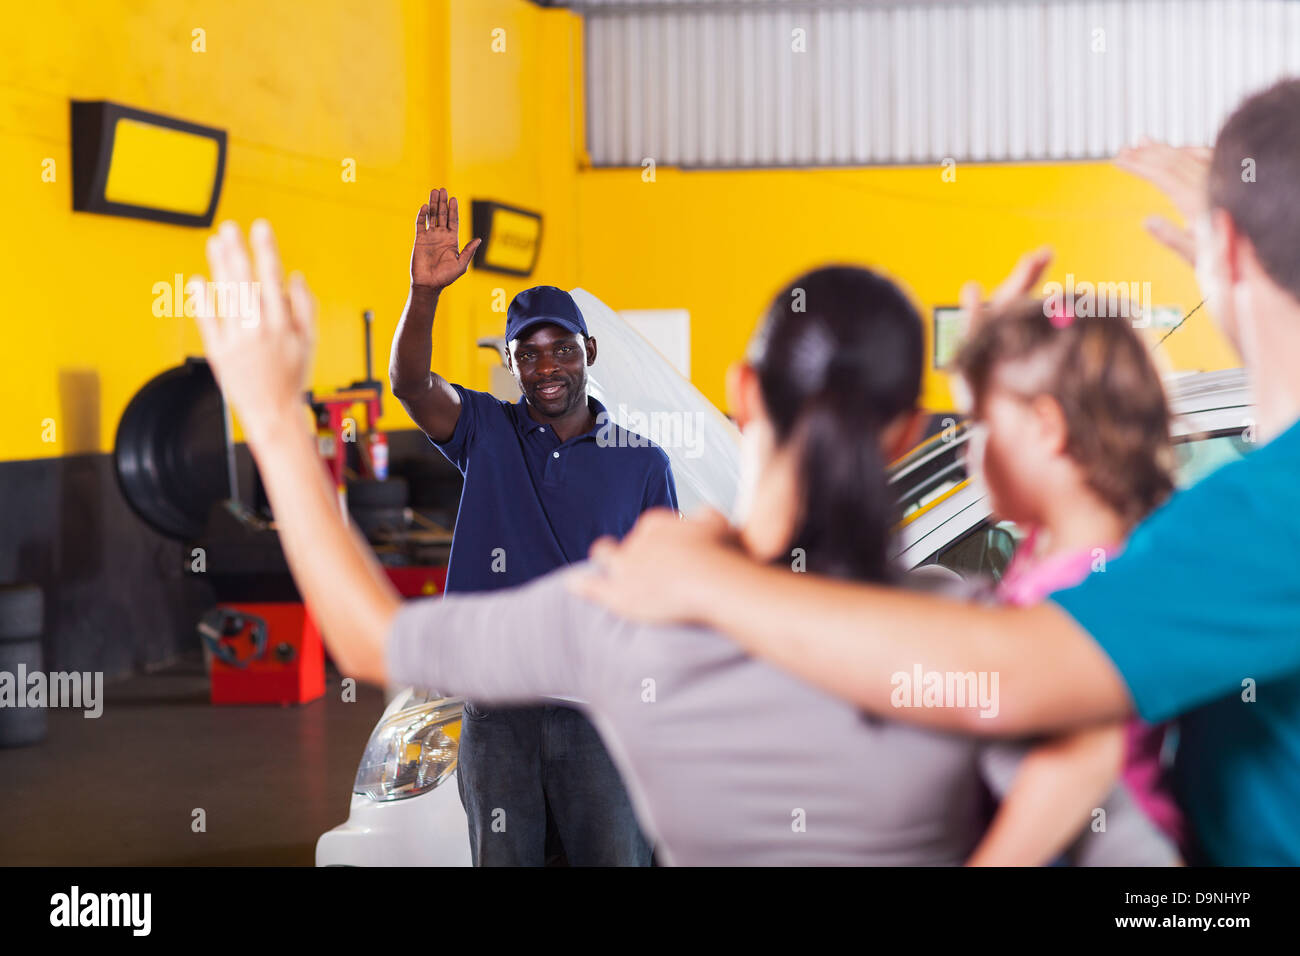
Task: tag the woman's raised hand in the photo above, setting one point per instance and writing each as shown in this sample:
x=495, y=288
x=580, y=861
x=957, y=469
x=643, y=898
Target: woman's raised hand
x=259, y=333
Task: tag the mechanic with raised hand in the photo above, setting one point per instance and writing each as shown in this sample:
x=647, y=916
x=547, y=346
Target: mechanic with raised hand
x=1198, y=619
x=539, y=489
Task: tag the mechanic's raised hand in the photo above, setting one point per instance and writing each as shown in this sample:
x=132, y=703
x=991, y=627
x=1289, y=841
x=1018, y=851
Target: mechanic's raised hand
x=258, y=333
x=660, y=572
x=1182, y=174
x=1020, y=283
x=434, y=260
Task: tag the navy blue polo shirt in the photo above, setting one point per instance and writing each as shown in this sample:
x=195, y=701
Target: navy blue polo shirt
x=532, y=503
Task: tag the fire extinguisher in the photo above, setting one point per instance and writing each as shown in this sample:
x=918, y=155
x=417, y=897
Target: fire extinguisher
x=379, y=455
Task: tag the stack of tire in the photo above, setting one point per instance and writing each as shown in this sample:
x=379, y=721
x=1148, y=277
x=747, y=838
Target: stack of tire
x=378, y=507
x=22, y=619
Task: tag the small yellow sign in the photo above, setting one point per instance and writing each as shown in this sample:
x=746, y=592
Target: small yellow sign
x=513, y=240
x=160, y=168
x=141, y=165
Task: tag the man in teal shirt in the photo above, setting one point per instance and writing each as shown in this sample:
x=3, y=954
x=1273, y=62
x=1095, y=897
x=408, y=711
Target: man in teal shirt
x=1199, y=619
x=1201, y=616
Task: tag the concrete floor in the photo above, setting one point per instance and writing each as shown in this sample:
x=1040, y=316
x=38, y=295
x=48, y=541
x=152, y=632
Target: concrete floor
x=120, y=790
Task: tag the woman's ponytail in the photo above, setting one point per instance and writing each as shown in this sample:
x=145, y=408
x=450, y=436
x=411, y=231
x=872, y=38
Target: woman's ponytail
x=839, y=357
x=847, y=513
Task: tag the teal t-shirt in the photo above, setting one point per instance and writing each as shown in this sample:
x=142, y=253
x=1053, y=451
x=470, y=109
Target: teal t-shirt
x=1201, y=616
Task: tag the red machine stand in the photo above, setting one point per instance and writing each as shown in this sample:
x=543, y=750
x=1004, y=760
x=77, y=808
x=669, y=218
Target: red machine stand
x=418, y=581
x=273, y=653
x=288, y=668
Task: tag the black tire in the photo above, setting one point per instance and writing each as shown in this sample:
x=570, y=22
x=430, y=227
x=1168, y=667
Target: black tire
x=21, y=726
x=22, y=612
x=368, y=495
x=373, y=522
x=170, y=450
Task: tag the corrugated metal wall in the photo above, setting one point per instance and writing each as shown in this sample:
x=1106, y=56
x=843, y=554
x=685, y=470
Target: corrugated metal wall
x=708, y=83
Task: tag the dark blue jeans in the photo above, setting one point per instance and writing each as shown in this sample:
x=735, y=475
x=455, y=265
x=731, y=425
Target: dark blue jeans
x=520, y=765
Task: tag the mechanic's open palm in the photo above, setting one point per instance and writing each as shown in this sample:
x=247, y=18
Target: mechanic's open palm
x=434, y=260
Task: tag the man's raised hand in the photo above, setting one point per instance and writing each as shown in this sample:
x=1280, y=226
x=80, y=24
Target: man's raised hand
x=435, y=263
x=1182, y=174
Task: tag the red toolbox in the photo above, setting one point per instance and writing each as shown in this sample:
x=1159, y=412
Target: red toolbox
x=264, y=654
x=271, y=653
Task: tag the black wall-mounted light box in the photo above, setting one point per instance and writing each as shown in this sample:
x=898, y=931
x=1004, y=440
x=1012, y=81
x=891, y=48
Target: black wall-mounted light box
x=512, y=237
x=129, y=162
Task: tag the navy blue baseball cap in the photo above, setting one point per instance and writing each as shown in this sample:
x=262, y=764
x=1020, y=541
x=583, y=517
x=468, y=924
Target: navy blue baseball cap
x=543, y=303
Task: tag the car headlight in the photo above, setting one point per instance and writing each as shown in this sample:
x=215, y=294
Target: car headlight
x=412, y=750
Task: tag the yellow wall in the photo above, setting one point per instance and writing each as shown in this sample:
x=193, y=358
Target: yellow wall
x=409, y=89
x=723, y=243
x=419, y=93
x=515, y=120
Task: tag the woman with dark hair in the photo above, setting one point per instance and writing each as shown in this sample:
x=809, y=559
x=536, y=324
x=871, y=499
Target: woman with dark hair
x=728, y=759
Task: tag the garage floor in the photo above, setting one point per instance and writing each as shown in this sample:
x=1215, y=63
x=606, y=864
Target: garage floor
x=121, y=789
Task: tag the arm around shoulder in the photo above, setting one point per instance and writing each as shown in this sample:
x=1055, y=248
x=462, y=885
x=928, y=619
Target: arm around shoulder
x=855, y=641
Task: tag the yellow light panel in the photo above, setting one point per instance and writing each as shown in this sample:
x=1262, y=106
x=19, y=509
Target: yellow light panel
x=161, y=168
x=514, y=240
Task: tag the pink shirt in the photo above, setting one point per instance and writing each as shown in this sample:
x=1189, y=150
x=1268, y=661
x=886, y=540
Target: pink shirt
x=1028, y=582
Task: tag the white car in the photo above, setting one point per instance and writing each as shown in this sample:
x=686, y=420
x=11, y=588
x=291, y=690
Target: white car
x=946, y=513
x=406, y=810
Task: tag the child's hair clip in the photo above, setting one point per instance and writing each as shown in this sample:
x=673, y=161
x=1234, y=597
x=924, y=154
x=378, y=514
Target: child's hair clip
x=1062, y=315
